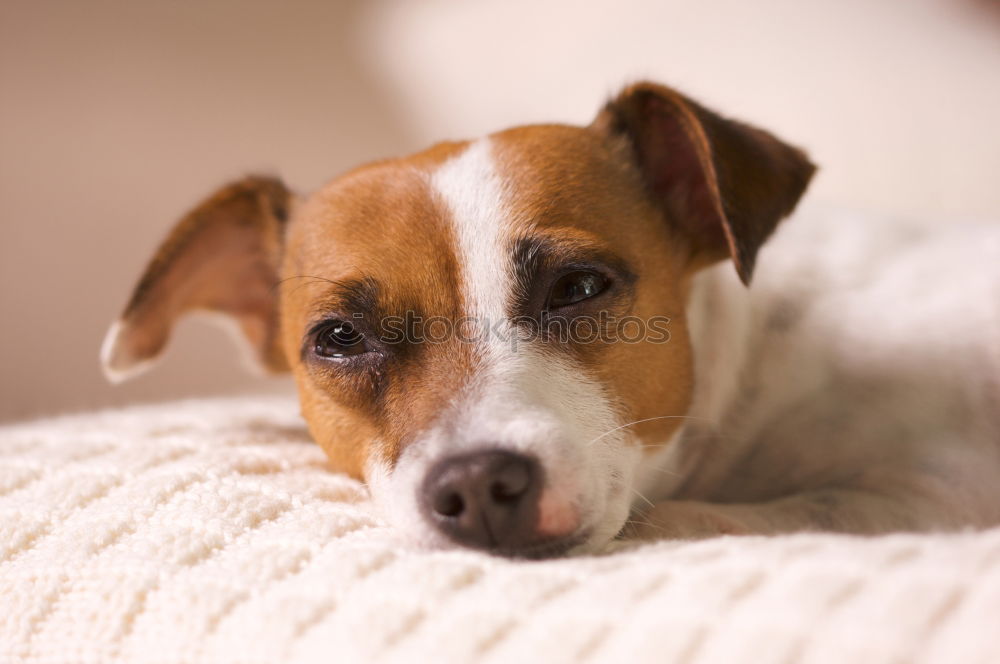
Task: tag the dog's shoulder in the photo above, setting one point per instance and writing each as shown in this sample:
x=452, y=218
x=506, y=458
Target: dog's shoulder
x=858, y=333
x=849, y=275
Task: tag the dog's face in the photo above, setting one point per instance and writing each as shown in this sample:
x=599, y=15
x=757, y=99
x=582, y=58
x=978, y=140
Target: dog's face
x=490, y=333
x=489, y=256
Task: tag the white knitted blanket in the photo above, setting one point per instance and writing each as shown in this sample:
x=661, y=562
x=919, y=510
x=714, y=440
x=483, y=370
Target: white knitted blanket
x=213, y=531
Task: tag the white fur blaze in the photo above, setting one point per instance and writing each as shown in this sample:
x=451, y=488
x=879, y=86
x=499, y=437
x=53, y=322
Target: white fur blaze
x=473, y=192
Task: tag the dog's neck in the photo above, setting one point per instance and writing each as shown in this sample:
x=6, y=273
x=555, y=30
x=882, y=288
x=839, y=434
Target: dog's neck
x=718, y=318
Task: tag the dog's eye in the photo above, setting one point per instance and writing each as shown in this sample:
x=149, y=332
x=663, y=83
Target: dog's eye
x=575, y=287
x=338, y=339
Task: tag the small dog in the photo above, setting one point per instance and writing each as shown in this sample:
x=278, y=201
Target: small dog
x=533, y=342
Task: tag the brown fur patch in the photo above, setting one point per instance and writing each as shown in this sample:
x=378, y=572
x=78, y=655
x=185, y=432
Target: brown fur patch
x=381, y=223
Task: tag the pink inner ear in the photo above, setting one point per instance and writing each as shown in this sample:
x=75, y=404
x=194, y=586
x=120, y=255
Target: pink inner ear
x=675, y=156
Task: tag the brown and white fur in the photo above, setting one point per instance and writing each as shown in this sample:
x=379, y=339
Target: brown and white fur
x=855, y=387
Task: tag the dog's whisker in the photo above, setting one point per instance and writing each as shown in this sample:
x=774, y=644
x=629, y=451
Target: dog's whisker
x=647, y=419
x=641, y=522
x=665, y=471
x=311, y=278
x=307, y=279
x=644, y=498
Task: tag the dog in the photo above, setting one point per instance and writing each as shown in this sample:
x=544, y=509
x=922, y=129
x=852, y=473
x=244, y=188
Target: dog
x=601, y=366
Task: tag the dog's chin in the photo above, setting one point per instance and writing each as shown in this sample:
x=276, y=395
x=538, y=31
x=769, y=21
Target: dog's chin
x=552, y=547
x=590, y=540
x=585, y=542
x=594, y=539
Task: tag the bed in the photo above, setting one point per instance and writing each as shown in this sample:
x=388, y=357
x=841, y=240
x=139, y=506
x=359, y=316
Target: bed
x=214, y=531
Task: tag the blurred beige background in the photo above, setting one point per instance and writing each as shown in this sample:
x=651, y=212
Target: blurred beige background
x=117, y=115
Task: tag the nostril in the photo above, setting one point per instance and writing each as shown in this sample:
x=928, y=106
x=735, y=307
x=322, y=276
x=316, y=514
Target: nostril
x=510, y=481
x=449, y=503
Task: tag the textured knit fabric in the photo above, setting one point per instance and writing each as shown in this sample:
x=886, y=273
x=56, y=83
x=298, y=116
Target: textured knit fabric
x=214, y=531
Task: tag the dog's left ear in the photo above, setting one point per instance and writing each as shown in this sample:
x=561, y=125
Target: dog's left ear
x=724, y=184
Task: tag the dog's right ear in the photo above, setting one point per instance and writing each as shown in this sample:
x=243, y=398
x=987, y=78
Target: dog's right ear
x=724, y=184
x=222, y=257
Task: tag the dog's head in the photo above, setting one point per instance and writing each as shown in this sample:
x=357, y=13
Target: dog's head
x=474, y=329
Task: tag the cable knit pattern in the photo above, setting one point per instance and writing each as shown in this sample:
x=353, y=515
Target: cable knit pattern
x=214, y=531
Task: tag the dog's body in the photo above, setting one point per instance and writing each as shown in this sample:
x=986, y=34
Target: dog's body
x=855, y=387
x=852, y=388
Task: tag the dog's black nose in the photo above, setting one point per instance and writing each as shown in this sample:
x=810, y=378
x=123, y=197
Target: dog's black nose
x=485, y=500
